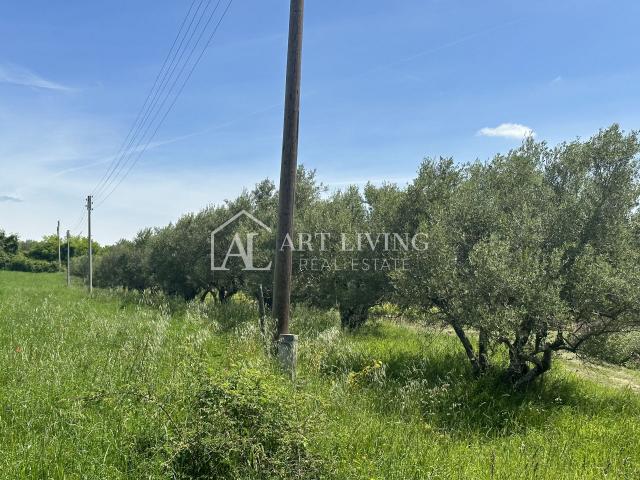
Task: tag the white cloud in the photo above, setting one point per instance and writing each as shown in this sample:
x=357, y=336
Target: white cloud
x=9, y=198
x=16, y=75
x=508, y=130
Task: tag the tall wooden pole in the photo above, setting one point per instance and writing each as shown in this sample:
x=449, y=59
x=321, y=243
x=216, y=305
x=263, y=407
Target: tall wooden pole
x=59, y=256
x=68, y=259
x=89, y=208
x=288, y=170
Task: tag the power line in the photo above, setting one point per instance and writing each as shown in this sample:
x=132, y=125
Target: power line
x=156, y=93
x=79, y=222
x=136, y=124
x=166, y=96
x=181, y=89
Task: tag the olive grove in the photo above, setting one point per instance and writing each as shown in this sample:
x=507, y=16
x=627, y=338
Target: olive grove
x=535, y=251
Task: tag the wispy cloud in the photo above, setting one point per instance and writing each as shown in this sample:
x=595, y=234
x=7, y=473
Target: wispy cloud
x=508, y=130
x=125, y=157
x=9, y=198
x=17, y=75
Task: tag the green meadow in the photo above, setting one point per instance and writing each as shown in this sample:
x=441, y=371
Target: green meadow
x=123, y=385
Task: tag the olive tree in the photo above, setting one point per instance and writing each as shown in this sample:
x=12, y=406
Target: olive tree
x=533, y=250
x=344, y=270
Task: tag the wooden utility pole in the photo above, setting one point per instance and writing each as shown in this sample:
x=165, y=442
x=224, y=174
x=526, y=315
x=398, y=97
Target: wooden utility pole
x=89, y=208
x=68, y=259
x=288, y=170
x=59, y=256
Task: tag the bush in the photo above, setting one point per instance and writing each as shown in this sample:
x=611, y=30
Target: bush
x=20, y=263
x=80, y=266
x=122, y=265
x=5, y=259
x=242, y=427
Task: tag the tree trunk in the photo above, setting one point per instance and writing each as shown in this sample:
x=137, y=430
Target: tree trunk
x=222, y=294
x=225, y=294
x=518, y=367
x=541, y=366
x=520, y=372
x=203, y=297
x=468, y=348
x=483, y=350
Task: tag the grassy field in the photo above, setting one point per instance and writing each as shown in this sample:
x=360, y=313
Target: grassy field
x=134, y=386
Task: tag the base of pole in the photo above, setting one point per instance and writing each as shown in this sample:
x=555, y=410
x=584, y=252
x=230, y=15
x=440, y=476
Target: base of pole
x=288, y=353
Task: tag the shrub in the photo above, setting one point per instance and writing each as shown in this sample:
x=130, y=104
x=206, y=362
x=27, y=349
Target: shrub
x=242, y=427
x=4, y=260
x=80, y=266
x=122, y=265
x=20, y=263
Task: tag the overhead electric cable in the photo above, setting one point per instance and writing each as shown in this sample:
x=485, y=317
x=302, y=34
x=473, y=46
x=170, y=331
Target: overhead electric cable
x=141, y=150
x=166, y=78
x=79, y=222
x=171, y=55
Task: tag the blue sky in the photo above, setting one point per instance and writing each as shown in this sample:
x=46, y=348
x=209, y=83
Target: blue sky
x=384, y=85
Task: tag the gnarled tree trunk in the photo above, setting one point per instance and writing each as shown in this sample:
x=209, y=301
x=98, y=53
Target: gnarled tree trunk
x=526, y=363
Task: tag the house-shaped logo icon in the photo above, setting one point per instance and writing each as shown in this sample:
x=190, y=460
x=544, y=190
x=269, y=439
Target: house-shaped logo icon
x=238, y=247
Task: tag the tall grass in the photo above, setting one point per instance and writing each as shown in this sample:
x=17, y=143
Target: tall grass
x=141, y=386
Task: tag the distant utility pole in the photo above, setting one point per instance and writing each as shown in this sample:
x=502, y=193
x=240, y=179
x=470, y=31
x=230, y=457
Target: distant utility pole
x=68, y=259
x=288, y=170
x=59, y=256
x=89, y=208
